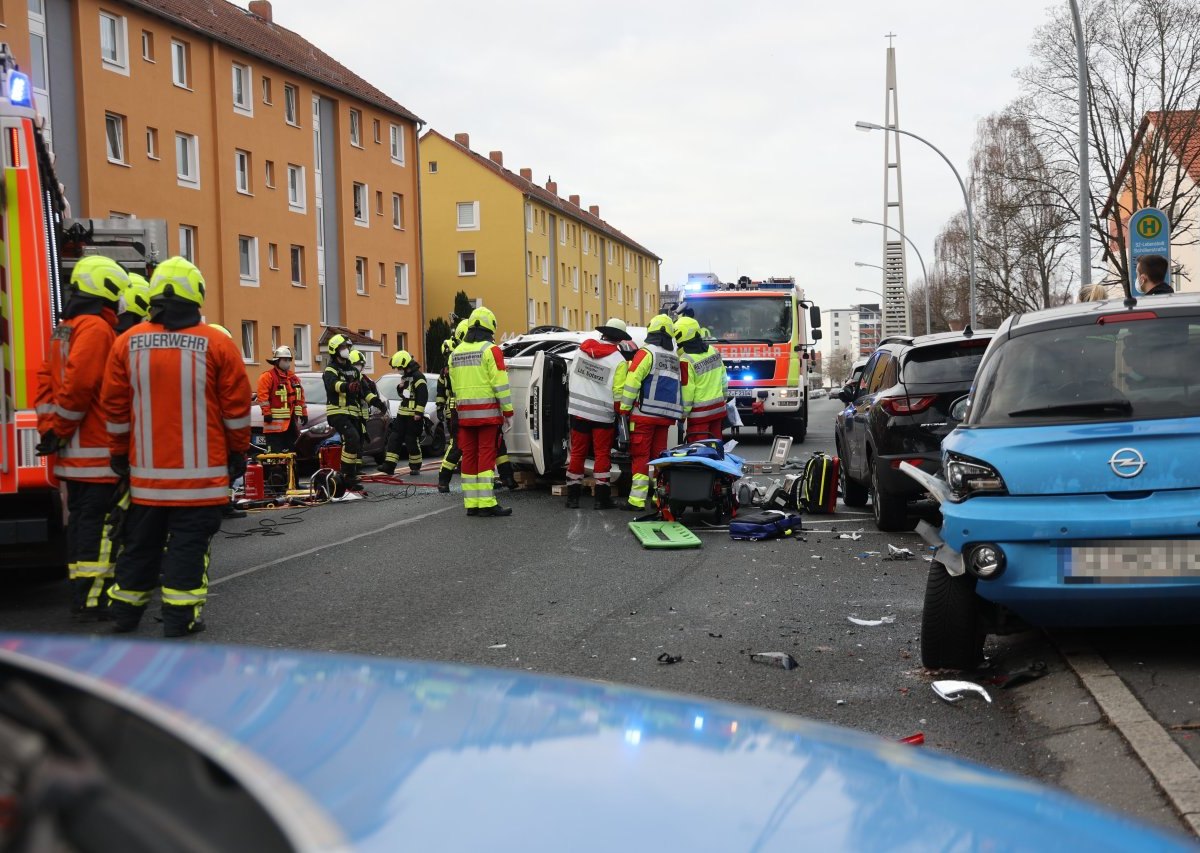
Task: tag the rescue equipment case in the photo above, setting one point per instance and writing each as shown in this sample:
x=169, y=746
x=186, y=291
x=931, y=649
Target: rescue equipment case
x=768, y=524
x=819, y=484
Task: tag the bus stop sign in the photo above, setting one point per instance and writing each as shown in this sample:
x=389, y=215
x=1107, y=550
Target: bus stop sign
x=1149, y=234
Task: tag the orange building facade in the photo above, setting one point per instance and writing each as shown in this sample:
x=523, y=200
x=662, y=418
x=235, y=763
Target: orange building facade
x=290, y=182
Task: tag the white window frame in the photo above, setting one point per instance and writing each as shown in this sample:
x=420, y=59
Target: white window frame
x=269, y=174
x=302, y=345
x=186, y=237
x=610, y=253
x=119, y=63
x=575, y=279
x=544, y=265
x=360, y=276
x=529, y=265
x=562, y=232
x=115, y=120
x=148, y=42
x=180, y=73
x=398, y=211
x=474, y=263
x=273, y=262
x=292, y=249
x=241, y=171
x=396, y=143
x=297, y=203
x=531, y=312
x=267, y=88
x=587, y=242
x=433, y=167
x=191, y=179
x=249, y=344
x=400, y=280
x=152, y=143
x=249, y=278
x=356, y=128
x=361, y=214
x=459, y=207
x=627, y=257
x=246, y=107
x=294, y=102
x=529, y=217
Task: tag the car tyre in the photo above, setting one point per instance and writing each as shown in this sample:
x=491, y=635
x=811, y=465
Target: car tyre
x=890, y=510
x=854, y=493
x=952, y=632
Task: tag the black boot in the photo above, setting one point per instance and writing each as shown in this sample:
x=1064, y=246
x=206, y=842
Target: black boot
x=603, y=495
x=415, y=470
x=444, y=480
x=350, y=478
x=505, y=473
x=496, y=511
x=388, y=468
x=573, y=491
x=125, y=617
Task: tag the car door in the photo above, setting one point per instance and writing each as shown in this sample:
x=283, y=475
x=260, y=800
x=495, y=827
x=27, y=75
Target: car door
x=547, y=423
x=858, y=419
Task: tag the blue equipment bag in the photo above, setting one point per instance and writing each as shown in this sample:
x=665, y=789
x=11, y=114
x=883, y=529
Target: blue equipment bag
x=768, y=524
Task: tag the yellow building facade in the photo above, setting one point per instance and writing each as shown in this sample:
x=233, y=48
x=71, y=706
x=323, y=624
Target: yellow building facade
x=533, y=257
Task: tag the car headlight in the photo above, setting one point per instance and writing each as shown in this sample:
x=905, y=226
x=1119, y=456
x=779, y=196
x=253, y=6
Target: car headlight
x=789, y=393
x=969, y=477
x=320, y=429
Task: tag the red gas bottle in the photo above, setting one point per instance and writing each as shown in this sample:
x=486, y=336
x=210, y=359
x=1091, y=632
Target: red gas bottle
x=254, y=485
x=329, y=455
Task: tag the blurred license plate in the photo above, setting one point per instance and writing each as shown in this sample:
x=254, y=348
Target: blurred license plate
x=258, y=440
x=1131, y=561
x=741, y=392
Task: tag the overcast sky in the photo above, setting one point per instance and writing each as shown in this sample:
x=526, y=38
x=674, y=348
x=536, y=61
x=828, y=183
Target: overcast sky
x=719, y=135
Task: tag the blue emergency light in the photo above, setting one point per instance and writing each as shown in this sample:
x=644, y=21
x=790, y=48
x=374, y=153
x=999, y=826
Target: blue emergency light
x=19, y=92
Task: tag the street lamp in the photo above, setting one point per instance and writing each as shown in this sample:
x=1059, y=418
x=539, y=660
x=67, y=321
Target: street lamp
x=865, y=264
x=868, y=290
x=925, y=275
x=867, y=126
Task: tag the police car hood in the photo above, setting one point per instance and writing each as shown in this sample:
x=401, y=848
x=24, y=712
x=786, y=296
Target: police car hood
x=368, y=753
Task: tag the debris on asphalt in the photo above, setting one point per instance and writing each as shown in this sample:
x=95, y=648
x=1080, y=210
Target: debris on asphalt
x=914, y=739
x=895, y=553
x=498, y=646
x=954, y=691
x=840, y=702
x=866, y=554
x=855, y=536
x=715, y=636
x=871, y=623
x=780, y=659
x=668, y=658
x=1008, y=680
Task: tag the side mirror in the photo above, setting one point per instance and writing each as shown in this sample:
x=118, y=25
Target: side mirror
x=816, y=334
x=814, y=319
x=846, y=395
x=959, y=408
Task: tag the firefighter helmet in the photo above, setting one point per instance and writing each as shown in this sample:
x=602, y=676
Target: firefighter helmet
x=661, y=323
x=460, y=331
x=99, y=276
x=357, y=358
x=280, y=352
x=336, y=343
x=686, y=328
x=483, y=317
x=401, y=359
x=180, y=278
x=136, y=298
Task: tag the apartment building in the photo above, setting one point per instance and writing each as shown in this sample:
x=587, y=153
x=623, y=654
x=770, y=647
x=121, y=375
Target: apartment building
x=532, y=256
x=290, y=181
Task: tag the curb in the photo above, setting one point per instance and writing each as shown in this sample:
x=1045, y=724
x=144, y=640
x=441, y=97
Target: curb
x=1165, y=760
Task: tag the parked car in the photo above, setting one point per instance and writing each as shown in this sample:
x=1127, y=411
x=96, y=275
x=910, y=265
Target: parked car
x=433, y=436
x=1070, y=488
x=318, y=428
x=817, y=394
x=897, y=411
x=205, y=747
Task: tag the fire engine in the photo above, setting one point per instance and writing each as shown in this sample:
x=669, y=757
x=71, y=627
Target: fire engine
x=39, y=245
x=765, y=331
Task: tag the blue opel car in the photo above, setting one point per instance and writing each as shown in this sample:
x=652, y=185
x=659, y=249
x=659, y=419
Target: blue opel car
x=1071, y=489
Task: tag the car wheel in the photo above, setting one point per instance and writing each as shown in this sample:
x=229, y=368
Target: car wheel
x=854, y=493
x=951, y=628
x=890, y=510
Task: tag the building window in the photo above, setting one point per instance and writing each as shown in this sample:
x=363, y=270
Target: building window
x=243, y=101
x=400, y=273
x=269, y=174
x=375, y=131
x=468, y=216
x=433, y=166
x=356, y=128
x=266, y=90
x=382, y=267
x=248, y=259
x=114, y=43
x=562, y=232
x=300, y=351
x=297, y=192
x=241, y=167
x=531, y=312
x=610, y=253
x=274, y=338
x=528, y=217
x=147, y=45
x=360, y=276
x=298, y=266
x=360, y=204
x=180, y=62
x=466, y=263
x=272, y=257
x=290, y=96
x=544, y=264
x=397, y=211
x=369, y=362
x=187, y=242
x=587, y=242
x=187, y=165
x=529, y=264
x=575, y=278
x=379, y=202
x=396, y=133
x=401, y=340
x=114, y=137
x=249, y=333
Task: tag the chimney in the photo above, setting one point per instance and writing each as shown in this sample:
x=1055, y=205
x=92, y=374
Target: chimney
x=497, y=157
x=594, y=210
x=463, y=139
x=552, y=187
x=261, y=9
x=527, y=174
x=574, y=199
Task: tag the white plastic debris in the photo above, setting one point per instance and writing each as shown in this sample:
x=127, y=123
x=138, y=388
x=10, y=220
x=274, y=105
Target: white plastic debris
x=895, y=553
x=871, y=623
x=953, y=691
x=854, y=537
x=498, y=646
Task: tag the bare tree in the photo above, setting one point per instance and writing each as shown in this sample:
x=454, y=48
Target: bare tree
x=1143, y=61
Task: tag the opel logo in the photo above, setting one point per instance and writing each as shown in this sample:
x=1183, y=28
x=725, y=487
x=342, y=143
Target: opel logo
x=1127, y=462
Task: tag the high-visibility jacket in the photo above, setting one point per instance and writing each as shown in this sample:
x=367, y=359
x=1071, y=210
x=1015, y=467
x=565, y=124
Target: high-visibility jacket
x=654, y=386
x=414, y=395
x=704, y=394
x=281, y=396
x=68, y=397
x=368, y=391
x=596, y=382
x=445, y=393
x=480, y=380
x=177, y=403
x=337, y=393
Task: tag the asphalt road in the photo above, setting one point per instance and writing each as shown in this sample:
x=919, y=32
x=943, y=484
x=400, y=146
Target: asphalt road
x=405, y=573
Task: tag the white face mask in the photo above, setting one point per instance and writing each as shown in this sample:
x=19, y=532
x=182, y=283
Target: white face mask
x=344, y=352
x=285, y=364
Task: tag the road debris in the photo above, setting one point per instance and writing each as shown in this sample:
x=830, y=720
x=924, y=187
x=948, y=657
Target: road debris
x=853, y=536
x=871, y=623
x=1008, y=680
x=498, y=646
x=866, y=554
x=916, y=739
x=840, y=702
x=895, y=553
x=668, y=658
x=953, y=691
x=780, y=659
x=715, y=636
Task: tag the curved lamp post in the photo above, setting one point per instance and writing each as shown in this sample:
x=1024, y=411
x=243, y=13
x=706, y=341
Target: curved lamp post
x=924, y=275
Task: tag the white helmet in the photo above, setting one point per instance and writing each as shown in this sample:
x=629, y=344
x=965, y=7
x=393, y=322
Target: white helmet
x=280, y=352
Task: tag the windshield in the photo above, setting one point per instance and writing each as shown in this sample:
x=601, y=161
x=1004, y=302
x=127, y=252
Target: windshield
x=753, y=318
x=946, y=363
x=1137, y=369
x=314, y=389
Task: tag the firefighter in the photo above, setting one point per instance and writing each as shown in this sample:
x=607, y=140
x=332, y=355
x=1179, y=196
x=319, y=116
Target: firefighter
x=344, y=390
x=406, y=428
x=596, y=382
x=281, y=398
x=453, y=455
x=369, y=394
x=483, y=404
x=135, y=303
x=71, y=423
x=704, y=394
x=177, y=402
x=653, y=397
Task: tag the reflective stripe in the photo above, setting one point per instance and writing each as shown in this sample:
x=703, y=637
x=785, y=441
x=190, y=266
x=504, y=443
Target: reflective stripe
x=93, y=570
x=706, y=409
x=85, y=473
x=468, y=490
x=184, y=597
x=75, y=452
x=69, y=414
x=391, y=457
x=44, y=409
x=179, y=473
x=639, y=490
x=187, y=401
x=117, y=429
x=242, y=423
x=203, y=494
x=476, y=401
x=574, y=478
x=137, y=598
x=94, y=591
x=501, y=390
x=591, y=409
x=201, y=400
x=144, y=416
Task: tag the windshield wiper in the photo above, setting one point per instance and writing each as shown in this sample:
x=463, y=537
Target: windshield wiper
x=766, y=341
x=1081, y=407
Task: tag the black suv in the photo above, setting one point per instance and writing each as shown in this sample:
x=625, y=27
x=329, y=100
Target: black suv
x=898, y=411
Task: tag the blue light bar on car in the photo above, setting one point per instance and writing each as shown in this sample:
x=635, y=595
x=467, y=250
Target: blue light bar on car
x=19, y=92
